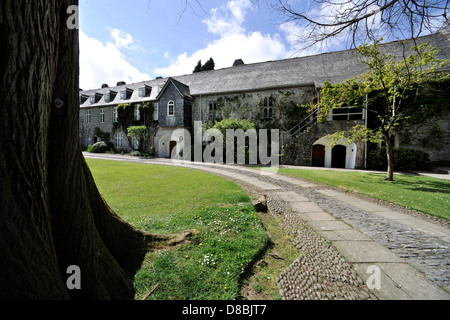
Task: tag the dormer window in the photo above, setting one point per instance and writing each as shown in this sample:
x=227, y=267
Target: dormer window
x=83, y=98
x=144, y=91
x=126, y=94
x=110, y=95
x=95, y=98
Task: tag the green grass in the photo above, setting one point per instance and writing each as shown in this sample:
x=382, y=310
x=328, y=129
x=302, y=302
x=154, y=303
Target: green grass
x=420, y=193
x=165, y=199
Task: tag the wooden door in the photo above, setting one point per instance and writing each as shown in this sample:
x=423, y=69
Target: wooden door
x=318, y=155
x=173, y=145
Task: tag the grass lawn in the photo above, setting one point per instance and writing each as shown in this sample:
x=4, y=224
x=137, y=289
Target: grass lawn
x=424, y=194
x=165, y=199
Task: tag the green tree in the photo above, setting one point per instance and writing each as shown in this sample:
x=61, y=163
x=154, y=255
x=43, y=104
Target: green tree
x=391, y=90
x=209, y=65
x=198, y=67
x=242, y=149
x=137, y=133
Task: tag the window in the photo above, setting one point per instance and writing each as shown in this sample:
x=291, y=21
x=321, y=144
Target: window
x=170, y=108
x=118, y=140
x=115, y=115
x=88, y=116
x=123, y=94
x=102, y=115
x=109, y=96
x=155, y=111
x=142, y=92
x=137, y=113
x=212, y=110
x=268, y=111
x=268, y=102
x=345, y=113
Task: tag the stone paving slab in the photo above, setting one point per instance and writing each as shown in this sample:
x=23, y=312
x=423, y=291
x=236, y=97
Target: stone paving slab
x=346, y=234
x=388, y=289
x=328, y=225
x=290, y=196
x=400, y=281
x=365, y=251
x=317, y=216
x=304, y=207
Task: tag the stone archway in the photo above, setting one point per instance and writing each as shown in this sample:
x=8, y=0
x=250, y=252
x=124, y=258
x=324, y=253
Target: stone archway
x=343, y=155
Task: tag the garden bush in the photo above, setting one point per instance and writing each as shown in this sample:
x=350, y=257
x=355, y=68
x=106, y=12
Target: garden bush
x=404, y=159
x=101, y=147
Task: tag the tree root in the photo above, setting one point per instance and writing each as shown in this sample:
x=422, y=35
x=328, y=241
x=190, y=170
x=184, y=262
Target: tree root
x=155, y=242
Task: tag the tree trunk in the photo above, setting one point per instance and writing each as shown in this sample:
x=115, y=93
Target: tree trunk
x=51, y=213
x=390, y=157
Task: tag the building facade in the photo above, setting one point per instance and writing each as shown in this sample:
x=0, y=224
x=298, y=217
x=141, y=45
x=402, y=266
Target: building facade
x=267, y=94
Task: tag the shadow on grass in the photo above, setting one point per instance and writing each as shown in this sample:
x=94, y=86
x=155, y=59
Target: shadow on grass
x=434, y=186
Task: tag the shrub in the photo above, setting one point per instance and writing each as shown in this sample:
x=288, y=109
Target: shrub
x=135, y=153
x=101, y=147
x=404, y=159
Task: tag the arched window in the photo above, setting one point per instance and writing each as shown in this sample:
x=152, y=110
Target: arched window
x=270, y=113
x=265, y=113
x=170, y=108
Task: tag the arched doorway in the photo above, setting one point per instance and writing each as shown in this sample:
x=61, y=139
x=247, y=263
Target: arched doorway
x=338, y=156
x=318, y=155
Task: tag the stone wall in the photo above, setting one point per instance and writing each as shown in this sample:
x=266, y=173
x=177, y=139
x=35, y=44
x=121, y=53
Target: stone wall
x=89, y=131
x=250, y=106
x=180, y=109
x=432, y=136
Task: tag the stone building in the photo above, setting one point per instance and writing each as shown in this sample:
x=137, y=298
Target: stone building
x=266, y=93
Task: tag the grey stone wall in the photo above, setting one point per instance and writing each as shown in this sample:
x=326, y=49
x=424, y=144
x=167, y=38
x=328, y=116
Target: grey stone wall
x=250, y=106
x=88, y=130
x=181, y=109
x=432, y=136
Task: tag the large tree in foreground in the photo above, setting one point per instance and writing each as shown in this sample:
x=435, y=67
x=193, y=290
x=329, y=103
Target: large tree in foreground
x=51, y=213
x=393, y=92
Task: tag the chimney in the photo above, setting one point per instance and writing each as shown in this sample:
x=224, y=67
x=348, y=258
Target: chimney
x=120, y=83
x=238, y=62
x=105, y=85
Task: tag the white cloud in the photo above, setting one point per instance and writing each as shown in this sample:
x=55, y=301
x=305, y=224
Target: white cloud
x=104, y=62
x=254, y=47
x=123, y=39
x=233, y=42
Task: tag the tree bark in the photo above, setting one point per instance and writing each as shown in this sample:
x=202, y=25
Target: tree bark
x=389, y=156
x=51, y=213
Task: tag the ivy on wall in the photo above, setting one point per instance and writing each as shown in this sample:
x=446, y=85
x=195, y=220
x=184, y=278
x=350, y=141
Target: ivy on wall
x=127, y=118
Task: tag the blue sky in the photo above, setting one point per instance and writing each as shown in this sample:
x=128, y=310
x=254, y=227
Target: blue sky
x=141, y=39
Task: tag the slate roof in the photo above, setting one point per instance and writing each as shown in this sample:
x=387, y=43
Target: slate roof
x=312, y=70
